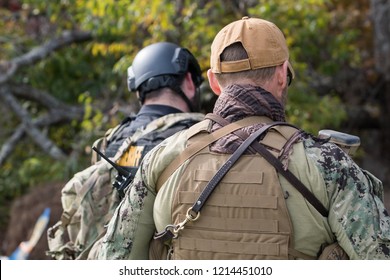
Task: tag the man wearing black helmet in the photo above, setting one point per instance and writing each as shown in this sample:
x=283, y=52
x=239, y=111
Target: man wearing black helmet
x=166, y=79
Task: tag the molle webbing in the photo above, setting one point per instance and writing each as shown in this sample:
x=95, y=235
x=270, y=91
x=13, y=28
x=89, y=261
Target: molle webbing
x=255, y=226
x=203, y=142
x=226, y=167
x=279, y=144
x=244, y=218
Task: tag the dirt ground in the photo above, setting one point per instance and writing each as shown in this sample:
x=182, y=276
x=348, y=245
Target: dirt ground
x=24, y=214
x=27, y=209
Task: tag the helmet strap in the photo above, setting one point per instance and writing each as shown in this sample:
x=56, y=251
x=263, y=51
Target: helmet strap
x=172, y=83
x=190, y=105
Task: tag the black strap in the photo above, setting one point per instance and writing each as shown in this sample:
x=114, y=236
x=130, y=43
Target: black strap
x=291, y=178
x=278, y=165
x=248, y=142
x=167, y=234
x=205, y=194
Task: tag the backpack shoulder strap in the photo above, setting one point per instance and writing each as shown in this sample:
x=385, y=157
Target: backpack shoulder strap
x=202, y=142
x=56, y=234
x=152, y=126
x=101, y=143
x=161, y=123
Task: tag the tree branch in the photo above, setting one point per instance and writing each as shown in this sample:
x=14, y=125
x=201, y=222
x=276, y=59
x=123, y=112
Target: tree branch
x=19, y=133
x=9, y=146
x=380, y=17
x=36, y=135
x=58, y=110
x=68, y=37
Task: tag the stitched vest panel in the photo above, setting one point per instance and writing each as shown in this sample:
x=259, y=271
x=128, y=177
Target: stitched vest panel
x=244, y=218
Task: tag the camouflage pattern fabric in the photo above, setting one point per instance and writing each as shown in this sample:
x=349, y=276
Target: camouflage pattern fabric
x=357, y=220
x=132, y=225
x=357, y=215
x=333, y=252
x=357, y=212
x=89, y=199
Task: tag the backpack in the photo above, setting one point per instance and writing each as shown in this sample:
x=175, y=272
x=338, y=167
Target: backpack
x=89, y=199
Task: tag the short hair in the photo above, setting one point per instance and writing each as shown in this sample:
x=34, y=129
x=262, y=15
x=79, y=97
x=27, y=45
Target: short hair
x=236, y=52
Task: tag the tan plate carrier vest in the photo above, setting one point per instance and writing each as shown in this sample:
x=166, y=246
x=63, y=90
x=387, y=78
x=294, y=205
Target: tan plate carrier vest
x=246, y=216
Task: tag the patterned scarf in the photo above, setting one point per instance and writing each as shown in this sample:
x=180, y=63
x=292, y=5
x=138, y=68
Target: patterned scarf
x=238, y=102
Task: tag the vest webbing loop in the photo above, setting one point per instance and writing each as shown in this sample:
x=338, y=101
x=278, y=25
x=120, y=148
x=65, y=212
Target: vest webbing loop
x=199, y=145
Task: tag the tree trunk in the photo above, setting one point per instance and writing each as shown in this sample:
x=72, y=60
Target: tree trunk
x=380, y=15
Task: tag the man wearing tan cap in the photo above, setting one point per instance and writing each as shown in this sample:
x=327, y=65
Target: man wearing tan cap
x=244, y=184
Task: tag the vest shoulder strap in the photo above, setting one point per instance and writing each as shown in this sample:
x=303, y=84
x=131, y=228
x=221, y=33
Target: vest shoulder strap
x=287, y=135
x=204, y=141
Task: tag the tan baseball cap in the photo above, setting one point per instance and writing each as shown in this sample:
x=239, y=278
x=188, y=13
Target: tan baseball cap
x=263, y=41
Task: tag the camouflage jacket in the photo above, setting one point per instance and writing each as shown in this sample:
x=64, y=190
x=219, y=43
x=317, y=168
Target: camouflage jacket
x=357, y=217
x=89, y=199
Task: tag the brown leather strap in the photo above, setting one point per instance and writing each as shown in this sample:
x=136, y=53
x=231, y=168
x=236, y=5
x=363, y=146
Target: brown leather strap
x=279, y=167
x=242, y=135
x=199, y=145
x=167, y=234
x=250, y=141
x=291, y=178
x=205, y=194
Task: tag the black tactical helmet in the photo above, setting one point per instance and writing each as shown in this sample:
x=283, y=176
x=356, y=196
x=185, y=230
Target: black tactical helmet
x=162, y=65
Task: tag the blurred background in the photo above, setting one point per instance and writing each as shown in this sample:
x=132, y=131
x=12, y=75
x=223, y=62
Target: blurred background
x=63, y=82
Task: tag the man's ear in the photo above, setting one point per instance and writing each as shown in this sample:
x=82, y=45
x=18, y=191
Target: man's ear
x=282, y=75
x=188, y=85
x=214, y=85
